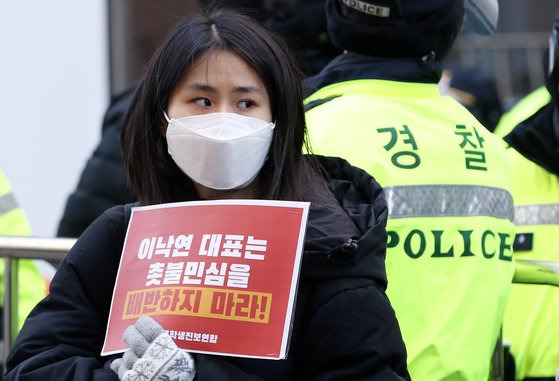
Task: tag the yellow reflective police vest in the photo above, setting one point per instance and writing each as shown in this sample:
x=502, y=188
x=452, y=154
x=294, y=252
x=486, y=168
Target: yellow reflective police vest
x=13, y=222
x=450, y=232
x=531, y=322
x=525, y=108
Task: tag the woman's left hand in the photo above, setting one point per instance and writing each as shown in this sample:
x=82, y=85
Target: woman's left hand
x=153, y=355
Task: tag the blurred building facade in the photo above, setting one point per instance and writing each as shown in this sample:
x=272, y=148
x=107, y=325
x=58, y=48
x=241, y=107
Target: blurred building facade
x=513, y=55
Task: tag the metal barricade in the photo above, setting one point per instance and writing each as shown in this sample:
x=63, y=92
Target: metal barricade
x=54, y=249
x=513, y=59
x=12, y=249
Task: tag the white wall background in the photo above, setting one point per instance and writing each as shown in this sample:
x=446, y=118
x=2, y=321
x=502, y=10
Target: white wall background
x=53, y=92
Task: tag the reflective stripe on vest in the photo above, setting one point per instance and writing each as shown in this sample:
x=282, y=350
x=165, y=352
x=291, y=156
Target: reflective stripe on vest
x=545, y=214
x=448, y=201
x=7, y=203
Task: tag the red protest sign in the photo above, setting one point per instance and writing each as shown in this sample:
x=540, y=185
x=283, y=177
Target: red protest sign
x=219, y=276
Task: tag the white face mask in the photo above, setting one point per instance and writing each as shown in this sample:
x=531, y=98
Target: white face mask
x=219, y=150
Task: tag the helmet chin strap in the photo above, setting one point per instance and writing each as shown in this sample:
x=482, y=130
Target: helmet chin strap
x=481, y=16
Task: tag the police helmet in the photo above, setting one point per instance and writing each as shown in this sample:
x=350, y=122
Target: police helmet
x=395, y=28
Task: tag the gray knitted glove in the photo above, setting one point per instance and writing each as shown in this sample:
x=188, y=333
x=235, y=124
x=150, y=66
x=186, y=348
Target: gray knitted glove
x=153, y=355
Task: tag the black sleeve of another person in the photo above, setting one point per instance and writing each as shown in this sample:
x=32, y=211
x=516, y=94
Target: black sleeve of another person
x=103, y=181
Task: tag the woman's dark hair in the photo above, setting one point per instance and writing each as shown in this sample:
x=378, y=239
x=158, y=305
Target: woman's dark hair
x=154, y=176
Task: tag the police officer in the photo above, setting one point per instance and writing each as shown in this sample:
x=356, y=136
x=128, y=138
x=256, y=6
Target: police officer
x=32, y=287
x=532, y=314
x=446, y=179
x=525, y=108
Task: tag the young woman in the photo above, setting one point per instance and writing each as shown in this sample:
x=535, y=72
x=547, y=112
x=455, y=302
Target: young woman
x=223, y=74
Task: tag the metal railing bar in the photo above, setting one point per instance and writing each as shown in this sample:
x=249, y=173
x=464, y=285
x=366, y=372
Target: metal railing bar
x=7, y=310
x=502, y=71
x=535, y=67
x=504, y=41
x=13, y=249
x=469, y=48
x=35, y=247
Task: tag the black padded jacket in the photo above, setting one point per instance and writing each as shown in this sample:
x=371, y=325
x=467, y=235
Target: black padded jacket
x=344, y=327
